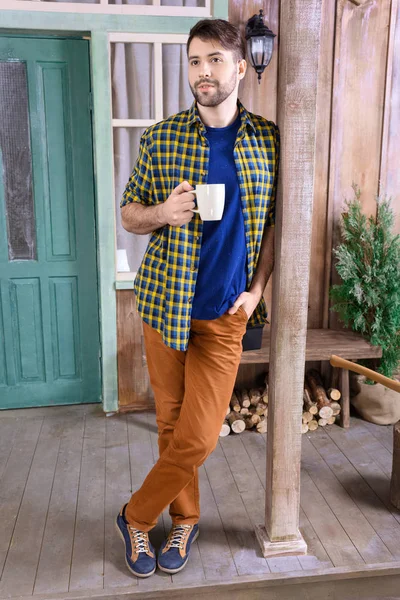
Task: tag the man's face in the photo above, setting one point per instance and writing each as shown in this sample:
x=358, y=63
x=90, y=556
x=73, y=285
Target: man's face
x=213, y=72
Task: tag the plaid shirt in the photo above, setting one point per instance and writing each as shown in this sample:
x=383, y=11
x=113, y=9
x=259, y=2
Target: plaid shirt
x=170, y=152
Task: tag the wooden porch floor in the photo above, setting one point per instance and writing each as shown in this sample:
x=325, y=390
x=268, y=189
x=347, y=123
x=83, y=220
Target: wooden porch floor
x=66, y=471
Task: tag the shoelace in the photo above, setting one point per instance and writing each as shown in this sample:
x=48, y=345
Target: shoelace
x=140, y=540
x=178, y=535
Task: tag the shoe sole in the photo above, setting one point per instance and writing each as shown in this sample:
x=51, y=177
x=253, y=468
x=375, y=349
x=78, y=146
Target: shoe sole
x=142, y=575
x=173, y=571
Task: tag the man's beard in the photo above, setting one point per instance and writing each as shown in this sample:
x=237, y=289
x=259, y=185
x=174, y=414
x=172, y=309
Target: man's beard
x=219, y=93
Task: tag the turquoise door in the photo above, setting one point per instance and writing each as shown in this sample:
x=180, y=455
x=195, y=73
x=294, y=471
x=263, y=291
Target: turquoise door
x=49, y=318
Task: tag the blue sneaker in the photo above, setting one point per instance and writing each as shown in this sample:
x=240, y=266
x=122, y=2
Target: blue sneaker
x=140, y=557
x=174, y=552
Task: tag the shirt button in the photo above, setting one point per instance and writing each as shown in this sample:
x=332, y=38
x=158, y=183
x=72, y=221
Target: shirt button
x=190, y=299
x=197, y=238
x=192, y=268
x=204, y=173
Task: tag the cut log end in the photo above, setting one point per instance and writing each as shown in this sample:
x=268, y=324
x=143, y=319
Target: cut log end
x=335, y=406
x=309, y=405
x=225, y=430
x=261, y=408
x=325, y=412
x=256, y=418
x=238, y=426
x=244, y=399
x=237, y=422
x=234, y=403
x=262, y=426
x=334, y=394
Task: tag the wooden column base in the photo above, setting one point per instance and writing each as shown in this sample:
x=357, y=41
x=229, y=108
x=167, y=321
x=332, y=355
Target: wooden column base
x=289, y=548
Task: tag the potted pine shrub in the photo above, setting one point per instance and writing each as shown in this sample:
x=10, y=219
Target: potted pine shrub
x=368, y=298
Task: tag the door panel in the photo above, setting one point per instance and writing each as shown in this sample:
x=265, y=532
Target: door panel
x=2, y=352
x=27, y=329
x=57, y=146
x=65, y=327
x=49, y=326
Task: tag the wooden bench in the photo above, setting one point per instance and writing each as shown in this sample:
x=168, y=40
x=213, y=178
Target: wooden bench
x=321, y=344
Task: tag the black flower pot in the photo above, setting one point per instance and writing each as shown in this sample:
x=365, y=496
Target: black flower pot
x=252, y=339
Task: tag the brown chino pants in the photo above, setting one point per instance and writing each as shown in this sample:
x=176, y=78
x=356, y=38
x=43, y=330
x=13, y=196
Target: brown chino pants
x=192, y=390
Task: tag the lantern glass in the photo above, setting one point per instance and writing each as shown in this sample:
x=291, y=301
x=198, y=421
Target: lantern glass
x=260, y=50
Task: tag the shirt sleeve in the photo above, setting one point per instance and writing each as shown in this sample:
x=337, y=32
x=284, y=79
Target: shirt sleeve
x=270, y=222
x=139, y=186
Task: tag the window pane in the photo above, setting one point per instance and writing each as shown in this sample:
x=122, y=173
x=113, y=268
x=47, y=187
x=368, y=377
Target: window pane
x=130, y=247
x=133, y=2
x=17, y=161
x=176, y=93
x=78, y=1
x=132, y=80
x=188, y=3
x=193, y=3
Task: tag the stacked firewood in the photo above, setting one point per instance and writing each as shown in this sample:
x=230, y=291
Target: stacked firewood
x=248, y=410
x=320, y=406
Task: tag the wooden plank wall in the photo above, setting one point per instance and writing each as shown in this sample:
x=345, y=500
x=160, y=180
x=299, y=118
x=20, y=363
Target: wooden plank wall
x=361, y=43
x=390, y=171
x=357, y=139
x=134, y=389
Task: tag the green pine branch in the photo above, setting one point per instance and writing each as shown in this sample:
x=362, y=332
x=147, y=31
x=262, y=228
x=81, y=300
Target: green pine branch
x=368, y=262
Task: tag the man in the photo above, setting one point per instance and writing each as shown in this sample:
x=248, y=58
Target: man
x=199, y=282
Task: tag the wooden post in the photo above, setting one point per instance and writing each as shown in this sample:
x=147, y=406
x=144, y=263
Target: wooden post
x=298, y=74
x=345, y=389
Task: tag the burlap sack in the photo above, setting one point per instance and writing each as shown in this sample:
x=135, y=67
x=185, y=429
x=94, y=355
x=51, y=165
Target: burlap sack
x=377, y=404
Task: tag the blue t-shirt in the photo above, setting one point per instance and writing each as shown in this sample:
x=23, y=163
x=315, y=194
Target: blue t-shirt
x=222, y=269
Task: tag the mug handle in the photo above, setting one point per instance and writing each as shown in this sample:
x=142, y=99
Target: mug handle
x=196, y=210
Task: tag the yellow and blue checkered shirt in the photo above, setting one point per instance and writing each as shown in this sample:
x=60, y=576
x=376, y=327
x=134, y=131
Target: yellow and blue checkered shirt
x=170, y=152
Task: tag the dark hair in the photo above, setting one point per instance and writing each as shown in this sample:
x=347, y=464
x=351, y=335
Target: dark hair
x=221, y=31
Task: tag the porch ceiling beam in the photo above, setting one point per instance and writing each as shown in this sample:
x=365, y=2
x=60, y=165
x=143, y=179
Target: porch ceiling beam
x=300, y=26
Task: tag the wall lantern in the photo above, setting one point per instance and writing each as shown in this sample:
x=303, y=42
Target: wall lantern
x=260, y=43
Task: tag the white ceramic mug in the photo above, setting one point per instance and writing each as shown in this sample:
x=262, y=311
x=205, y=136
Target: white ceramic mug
x=210, y=201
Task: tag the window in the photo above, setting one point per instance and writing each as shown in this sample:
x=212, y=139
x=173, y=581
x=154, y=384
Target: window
x=149, y=83
x=187, y=8
x=16, y=162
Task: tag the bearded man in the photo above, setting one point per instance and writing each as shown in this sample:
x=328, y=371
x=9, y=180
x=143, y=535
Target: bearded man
x=200, y=282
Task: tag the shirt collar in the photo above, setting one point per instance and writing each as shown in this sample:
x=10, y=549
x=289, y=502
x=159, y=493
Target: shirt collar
x=194, y=116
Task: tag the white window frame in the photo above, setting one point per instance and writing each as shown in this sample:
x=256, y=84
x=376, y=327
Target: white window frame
x=157, y=39
x=103, y=7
